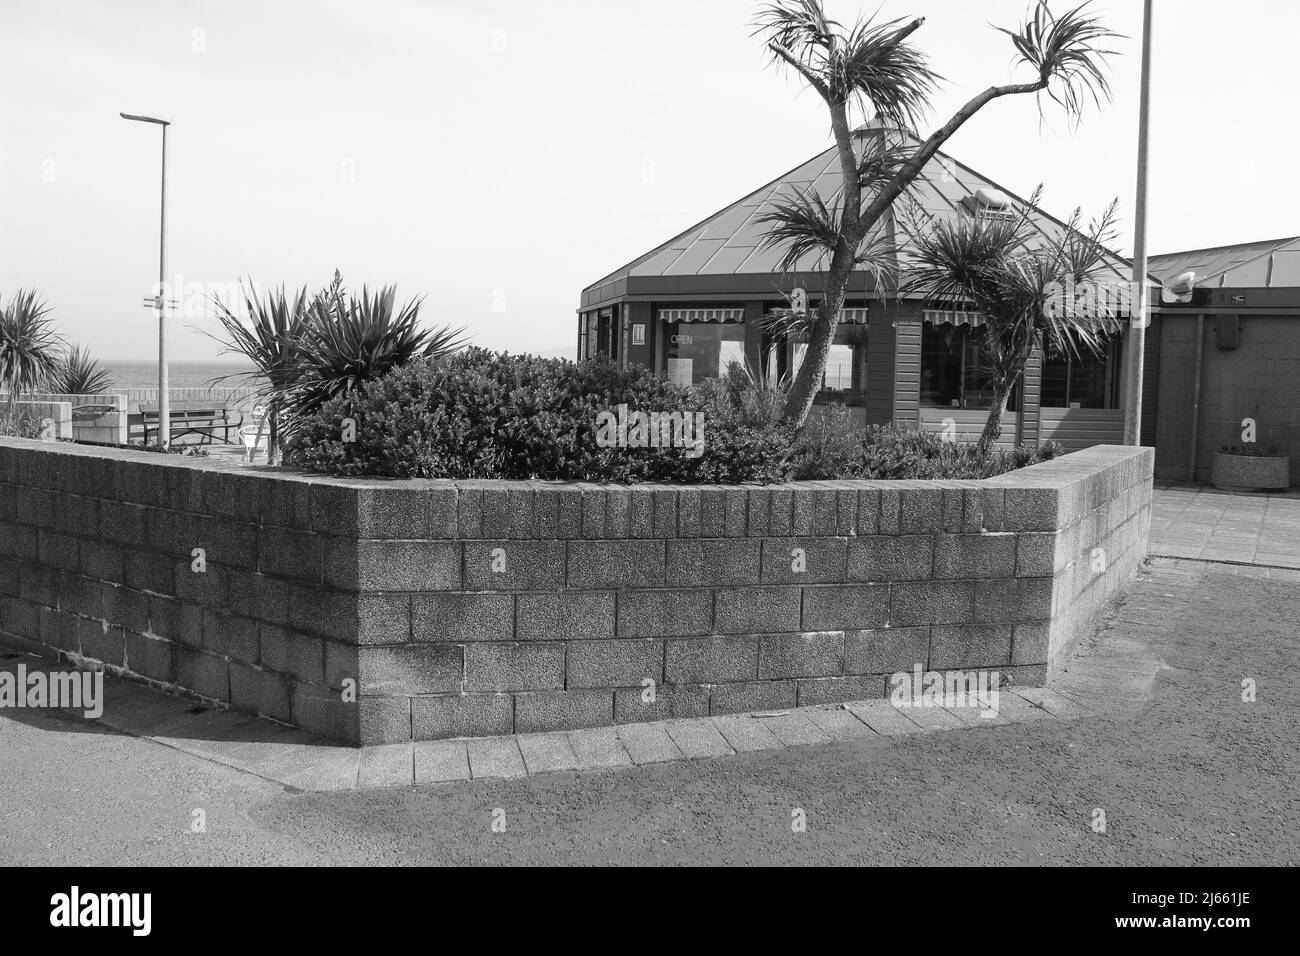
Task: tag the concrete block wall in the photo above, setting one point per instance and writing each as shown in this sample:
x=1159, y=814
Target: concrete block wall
x=478, y=608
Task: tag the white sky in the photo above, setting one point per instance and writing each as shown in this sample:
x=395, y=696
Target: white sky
x=506, y=153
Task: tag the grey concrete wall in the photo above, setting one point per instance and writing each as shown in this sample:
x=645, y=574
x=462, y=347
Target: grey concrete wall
x=476, y=608
x=1259, y=380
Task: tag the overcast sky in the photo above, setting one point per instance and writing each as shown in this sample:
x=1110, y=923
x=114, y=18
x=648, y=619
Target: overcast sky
x=496, y=157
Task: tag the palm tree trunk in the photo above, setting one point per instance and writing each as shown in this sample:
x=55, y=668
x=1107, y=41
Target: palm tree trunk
x=809, y=380
x=993, y=424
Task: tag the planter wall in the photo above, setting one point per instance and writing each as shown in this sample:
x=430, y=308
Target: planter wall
x=1250, y=473
x=477, y=608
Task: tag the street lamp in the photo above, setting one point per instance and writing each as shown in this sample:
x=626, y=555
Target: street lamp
x=164, y=406
x=1136, y=343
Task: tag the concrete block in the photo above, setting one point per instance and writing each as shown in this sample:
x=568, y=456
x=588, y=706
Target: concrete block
x=405, y=566
x=922, y=509
x=641, y=513
x=975, y=556
x=294, y=554
x=1036, y=553
x=618, y=513
x=747, y=697
x=780, y=511
x=886, y=651
x=782, y=656
x=513, y=667
x=845, y=606
x=383, y=720
x=665, y=613
x=541, y=711
x=736, y=503
x=593, y=511
x=258, y=691
x=596, y=565
x=205, y=674
x=1030, y=509
x=301, y=656
x=411, y=669
x=631, y=704
x=621, y=663
x=804, y=560
x=444, y=616
x=569, y=512
x=469, y=511
x=381, y=618
x=496, y=516
x=335, y=508
x=825, y=510
x=462, y=715
x=568, y=615
x=688, y=512
x=1030, y=643
x=230, y=635
x=961, y=647
x=802, y=505
x=1015, y=601
x=711, y=660
x=755, y=610
x=665, y=512
x=102, y=642
x=712, y=562
x=836, y=690
x=913, y=603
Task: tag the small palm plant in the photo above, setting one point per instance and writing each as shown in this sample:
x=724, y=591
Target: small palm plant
x=271, y=338
x=79, y=373
x=29, y=347
x=1032, y=291
x=352, y=339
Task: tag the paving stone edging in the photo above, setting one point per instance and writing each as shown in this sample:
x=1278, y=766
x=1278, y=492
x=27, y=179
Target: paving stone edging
x=311, y=583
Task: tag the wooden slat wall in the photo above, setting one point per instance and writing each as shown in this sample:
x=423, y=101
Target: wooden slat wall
x=907, y=371
x=880, y=363
x=969, y=422
x=1079, y=428
x=1031, y=391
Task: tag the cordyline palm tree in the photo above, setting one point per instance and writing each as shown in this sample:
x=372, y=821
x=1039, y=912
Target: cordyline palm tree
x=271, y=339
x=352, y=339
x=1031, y=290
x=873, y=67
x=79, y=373
x=29, y=346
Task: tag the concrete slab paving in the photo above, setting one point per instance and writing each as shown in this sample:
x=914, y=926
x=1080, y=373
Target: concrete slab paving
x=795, y=729
x=599, y=748
x=648, y=743
x=441, y=761
x=839, y=724
x=389, y=765
x=747, y=734
x=496, y=757
x=547, y=753
x=882, y=717
x=698, y=738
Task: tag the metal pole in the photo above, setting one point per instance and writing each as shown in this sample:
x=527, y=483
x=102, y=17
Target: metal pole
x=1138, y=323
x=164, y=406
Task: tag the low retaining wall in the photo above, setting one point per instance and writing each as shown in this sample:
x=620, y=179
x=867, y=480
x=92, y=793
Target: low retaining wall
x=376, y=611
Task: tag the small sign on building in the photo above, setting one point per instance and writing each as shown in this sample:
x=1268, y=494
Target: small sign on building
x=638, y=333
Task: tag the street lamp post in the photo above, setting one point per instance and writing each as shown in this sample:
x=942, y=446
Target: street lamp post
x=1138, y=324
x=164, y=405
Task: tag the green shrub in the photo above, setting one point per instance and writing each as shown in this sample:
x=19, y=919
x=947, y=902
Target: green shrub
x=479, y=414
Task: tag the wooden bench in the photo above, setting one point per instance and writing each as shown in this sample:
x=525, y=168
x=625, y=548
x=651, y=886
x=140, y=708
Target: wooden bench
x=205, y=419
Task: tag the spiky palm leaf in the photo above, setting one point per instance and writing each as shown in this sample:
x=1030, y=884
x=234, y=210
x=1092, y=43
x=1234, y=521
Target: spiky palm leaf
x=1064, y=51
x=79, y=373
x=29, y=346
x=867, y=64
x=360, y=339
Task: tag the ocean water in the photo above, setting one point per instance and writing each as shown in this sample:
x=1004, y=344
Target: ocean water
x=132, y=375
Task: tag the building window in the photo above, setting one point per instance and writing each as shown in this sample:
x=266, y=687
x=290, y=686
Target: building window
x=699, y=350
x=1086, y=380
x=845, y=378
x=954, y=372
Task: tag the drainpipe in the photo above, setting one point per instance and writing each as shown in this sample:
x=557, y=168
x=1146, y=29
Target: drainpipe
x=1196, y=396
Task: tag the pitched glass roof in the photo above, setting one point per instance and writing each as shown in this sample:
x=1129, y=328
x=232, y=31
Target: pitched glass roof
x=729, y=241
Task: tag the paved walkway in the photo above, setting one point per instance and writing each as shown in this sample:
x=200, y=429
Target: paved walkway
x=1202, y=523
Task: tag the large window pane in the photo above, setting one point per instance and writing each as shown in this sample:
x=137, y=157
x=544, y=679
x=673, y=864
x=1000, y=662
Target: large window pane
x=1088, y=380
x=954, y=371
x=700, y=350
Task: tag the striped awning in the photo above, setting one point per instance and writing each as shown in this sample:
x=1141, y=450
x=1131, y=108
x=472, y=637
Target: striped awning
x=959, y=318
x=953, y=317
x=702, y=315
x=854, y=316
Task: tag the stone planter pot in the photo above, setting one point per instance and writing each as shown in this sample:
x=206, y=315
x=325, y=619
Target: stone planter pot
x=1250, y=473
